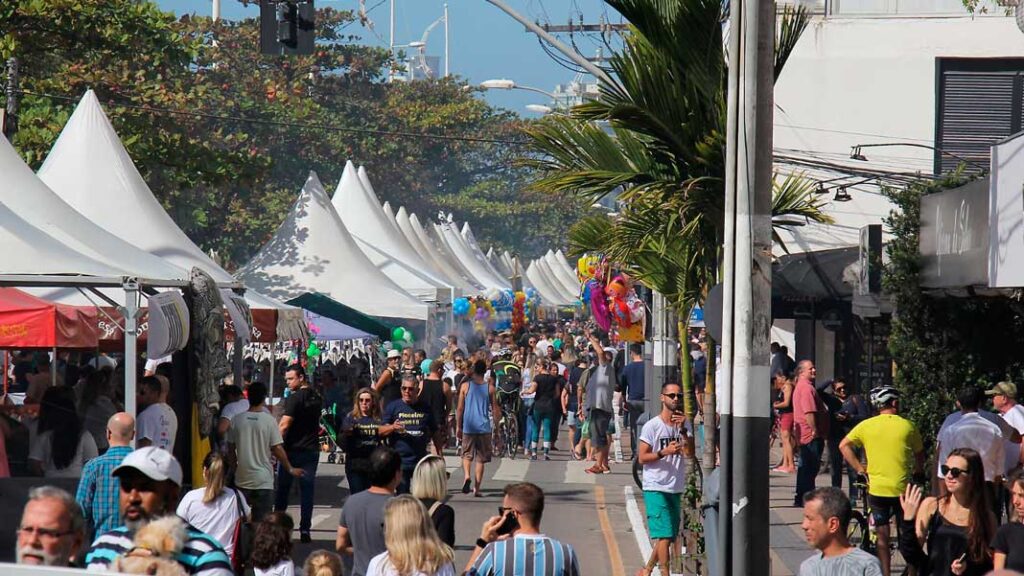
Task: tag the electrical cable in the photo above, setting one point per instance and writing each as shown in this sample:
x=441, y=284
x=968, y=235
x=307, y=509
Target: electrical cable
x=301, y=125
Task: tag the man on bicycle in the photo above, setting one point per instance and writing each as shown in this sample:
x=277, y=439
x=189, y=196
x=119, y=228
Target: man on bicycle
x=888, y=441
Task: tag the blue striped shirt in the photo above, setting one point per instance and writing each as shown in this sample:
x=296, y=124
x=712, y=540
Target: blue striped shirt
x=99, y=493
x=200, y=556
x=526, y=555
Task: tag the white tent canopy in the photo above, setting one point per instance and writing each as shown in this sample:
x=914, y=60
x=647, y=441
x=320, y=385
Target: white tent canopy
x=435, y=239
x=560, y=263
x=470, y=240
x=549, y=296
x=382, y=242
x=551, y=281
x=474, y=260
x=90, y=169
x=24, y=193
x=312, y=251
x=498, y=264
x=560, y=273
x=430, y=253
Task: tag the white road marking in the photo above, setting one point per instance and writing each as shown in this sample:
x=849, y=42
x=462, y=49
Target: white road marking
x=574, y=473
x=512, y=470
x=318, y=518
x=452, y=462
x=636, y=520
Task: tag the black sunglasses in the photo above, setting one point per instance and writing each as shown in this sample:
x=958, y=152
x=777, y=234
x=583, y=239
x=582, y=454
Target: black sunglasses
x=953, y=473
x=672, y=395
x=404, y=388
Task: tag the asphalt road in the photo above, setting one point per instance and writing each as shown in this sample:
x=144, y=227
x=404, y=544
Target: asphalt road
x=590, y=512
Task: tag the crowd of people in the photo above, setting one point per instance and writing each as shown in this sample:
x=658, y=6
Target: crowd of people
x=967, y=523
x=131, y=511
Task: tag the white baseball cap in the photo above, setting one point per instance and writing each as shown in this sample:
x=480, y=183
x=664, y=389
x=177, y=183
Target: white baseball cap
x=156, y=463
x=394, y=354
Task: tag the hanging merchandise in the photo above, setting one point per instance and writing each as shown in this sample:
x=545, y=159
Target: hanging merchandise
x=586, y=267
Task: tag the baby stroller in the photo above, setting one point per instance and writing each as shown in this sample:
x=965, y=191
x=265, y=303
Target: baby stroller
x=329, y=435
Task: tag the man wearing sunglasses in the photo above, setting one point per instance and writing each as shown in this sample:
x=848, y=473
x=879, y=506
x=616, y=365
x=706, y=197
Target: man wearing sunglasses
x=888, y=441
x=413, y=426
x=662, y=442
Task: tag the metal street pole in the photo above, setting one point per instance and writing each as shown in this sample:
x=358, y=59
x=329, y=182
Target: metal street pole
x=446, y=59
x=568, y=52
x=750, y=285
x=11, y=111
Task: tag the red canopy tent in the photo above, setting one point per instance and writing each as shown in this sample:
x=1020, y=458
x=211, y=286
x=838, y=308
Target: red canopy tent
x=30, y=322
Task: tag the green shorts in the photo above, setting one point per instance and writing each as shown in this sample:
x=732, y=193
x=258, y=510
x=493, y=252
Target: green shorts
x=662, y=514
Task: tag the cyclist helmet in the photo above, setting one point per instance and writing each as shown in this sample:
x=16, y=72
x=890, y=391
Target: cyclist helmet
x=884, y=395
x=504, y=353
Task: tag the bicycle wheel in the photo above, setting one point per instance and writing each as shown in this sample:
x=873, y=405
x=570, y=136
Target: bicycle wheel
x=511, y=438
x=638, y=473
x=857, y=532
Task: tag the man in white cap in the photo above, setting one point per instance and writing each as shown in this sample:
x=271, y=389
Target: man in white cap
x=150, y=485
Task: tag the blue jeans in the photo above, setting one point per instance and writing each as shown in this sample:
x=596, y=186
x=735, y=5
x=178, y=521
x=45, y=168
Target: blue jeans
x=807, y=470
x=526, y=422
x=357, y=480
x=405, y=486
x=634, y=409
x=542, y=424
x=308, y=461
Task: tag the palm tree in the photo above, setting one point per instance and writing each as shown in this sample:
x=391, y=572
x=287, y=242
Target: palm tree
x=656, y=135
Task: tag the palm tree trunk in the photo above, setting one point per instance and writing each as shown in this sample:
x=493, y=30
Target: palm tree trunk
x=710, y=410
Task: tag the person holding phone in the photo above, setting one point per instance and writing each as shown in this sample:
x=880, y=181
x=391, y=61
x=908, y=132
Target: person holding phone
x=515, y=533
x=956, y=528
x=662, y=445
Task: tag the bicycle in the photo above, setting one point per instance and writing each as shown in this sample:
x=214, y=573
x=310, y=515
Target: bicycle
x=506, y=437
x=862, y=532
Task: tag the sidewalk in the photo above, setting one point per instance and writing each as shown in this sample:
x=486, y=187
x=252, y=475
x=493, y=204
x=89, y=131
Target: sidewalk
x=788, y=547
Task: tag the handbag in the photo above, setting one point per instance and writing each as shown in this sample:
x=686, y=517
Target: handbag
x=243, y=537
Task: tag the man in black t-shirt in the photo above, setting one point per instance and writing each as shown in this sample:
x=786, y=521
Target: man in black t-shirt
x=415, y=428
x=300, y=429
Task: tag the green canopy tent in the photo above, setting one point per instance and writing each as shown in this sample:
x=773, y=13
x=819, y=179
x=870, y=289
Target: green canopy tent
x=325, y=306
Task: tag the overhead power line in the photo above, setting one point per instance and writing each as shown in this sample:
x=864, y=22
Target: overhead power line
x=301, y=125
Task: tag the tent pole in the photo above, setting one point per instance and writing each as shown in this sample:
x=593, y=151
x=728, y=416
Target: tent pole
x=273, y=352
x=131, y=332
x=53, y=369
x=7, y=361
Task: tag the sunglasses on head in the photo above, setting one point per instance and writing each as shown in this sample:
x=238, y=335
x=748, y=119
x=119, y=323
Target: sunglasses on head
x=953, y=473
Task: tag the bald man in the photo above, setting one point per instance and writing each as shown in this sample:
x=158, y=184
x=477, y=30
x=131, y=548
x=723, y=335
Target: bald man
x=98, y=491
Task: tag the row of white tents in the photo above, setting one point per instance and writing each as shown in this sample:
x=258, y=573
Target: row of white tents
x=88, y=219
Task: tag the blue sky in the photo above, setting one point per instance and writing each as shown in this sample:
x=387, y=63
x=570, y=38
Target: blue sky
x=485, y=43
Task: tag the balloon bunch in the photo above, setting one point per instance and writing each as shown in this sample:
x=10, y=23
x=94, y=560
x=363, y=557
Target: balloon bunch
x=460, y=307
x=313, y=328
x=313, y=351
x=519, y=312
x=400, y=338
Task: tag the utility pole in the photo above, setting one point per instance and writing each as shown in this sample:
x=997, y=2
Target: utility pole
x=446, y=58
x=747, y=314
x=216, y=10
x=568, y=52
x=391, y=42
x=10, y=124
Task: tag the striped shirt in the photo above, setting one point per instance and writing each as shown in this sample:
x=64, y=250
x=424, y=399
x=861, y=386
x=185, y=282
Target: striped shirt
x=99, y=493
x=526, y=555
x=201, y=555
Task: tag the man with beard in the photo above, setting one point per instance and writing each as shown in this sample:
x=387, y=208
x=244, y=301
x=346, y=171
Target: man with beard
x=52, y=528
x=150, y=486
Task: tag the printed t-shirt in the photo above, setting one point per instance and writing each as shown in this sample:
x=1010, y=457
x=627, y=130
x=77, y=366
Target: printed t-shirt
x=159, y=425
x=419, y=429
x=669, y=473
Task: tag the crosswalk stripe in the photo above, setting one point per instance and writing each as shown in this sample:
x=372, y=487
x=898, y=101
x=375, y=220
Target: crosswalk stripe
x=512, y=470
x=575, y=473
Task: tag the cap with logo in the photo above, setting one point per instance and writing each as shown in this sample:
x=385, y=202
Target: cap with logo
x=156, y=463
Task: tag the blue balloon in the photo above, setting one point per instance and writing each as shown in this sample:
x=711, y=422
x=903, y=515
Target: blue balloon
x=460, y=307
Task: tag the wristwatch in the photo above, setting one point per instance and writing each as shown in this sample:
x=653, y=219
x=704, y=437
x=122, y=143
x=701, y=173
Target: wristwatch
x=481, y=543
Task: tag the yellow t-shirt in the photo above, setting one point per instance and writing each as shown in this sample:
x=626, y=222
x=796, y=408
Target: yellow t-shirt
x=890, y=442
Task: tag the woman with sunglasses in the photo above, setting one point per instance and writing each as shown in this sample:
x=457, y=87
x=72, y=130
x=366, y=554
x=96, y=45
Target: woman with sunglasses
x=956, y=528
x=361, y=431
x=1008, y=544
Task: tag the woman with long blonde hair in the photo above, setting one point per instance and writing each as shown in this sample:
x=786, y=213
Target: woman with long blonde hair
x=215, y=509
x=413, y=546
x=430, y=486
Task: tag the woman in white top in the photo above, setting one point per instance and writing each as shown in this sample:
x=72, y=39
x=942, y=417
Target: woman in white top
x=62, y=446
x=414, y=548
x=214, y=509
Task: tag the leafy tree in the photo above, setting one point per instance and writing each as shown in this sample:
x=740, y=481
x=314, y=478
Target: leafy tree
x=229, y=167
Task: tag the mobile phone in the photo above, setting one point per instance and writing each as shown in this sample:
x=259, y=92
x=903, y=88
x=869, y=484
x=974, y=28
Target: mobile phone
x=509, y=525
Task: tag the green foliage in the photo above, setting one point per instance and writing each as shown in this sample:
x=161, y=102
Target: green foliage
x=940, y=343
x=230, y=169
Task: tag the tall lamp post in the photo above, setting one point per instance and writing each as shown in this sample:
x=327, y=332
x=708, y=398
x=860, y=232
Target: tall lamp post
x=506, y=84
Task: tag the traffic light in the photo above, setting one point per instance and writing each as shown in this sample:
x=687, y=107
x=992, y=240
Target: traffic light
x=287, y=26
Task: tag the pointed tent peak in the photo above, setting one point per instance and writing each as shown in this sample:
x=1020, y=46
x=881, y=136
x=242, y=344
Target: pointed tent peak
x=364, y=179
x=466, y=230
x=388, y=211
x=90, y=169
x=349, y=188
x=402, y=213
x=490, y=252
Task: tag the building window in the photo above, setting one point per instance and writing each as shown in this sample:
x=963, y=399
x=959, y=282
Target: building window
x=978, y=103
